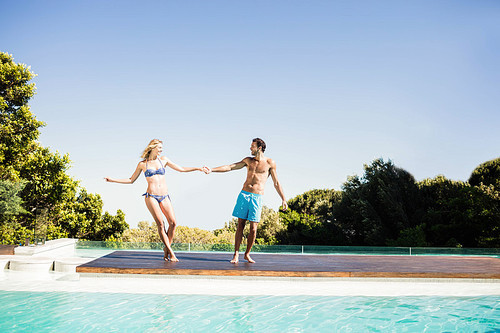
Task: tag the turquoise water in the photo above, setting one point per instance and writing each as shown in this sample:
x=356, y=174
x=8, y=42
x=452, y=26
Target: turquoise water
x=106, y=312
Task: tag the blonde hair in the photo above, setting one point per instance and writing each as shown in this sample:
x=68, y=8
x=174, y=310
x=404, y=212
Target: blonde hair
x=152, y=145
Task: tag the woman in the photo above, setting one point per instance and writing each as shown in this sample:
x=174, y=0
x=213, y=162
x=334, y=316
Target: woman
x=156, y=196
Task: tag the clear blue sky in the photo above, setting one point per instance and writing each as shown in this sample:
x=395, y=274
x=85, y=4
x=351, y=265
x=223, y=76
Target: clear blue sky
x=329, y=85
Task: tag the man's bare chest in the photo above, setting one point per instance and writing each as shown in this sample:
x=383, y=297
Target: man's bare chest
x=258, y=167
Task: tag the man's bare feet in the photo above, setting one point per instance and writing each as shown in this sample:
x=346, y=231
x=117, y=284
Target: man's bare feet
x=247, y=258
x=173, y=258
x=235, y=259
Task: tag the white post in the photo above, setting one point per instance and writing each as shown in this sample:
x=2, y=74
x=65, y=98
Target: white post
x=189, y=247
x=302, y=249
x=410, y=250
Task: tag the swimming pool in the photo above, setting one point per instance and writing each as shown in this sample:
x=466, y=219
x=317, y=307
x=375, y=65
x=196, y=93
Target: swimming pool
x=127, y=312
x=106, y=302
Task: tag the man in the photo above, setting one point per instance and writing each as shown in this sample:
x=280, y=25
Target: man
x=249, y=203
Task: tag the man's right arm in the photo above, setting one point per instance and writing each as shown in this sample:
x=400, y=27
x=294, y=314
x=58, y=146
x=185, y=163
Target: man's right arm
x=230, y=167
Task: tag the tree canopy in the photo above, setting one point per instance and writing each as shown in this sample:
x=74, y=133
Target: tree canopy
x=37, y=195
x=375, y=207
x=457, y=214
x=387, y=207
x=487, y=173
x=10, y=202
x=19, y=128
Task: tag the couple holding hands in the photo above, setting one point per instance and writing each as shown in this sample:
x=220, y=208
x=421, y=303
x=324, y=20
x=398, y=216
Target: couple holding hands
x=248, y=205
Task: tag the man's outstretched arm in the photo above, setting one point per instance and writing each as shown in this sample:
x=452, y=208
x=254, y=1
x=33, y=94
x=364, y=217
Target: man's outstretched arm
x=277, y=185
x=229, y=167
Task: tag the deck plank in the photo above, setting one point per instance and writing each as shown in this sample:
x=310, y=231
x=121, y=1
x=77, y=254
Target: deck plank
x=7, y=249
x=289, y=265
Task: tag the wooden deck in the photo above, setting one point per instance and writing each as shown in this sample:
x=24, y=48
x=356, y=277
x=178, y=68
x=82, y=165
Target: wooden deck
x=288, y=265
x=7, y=249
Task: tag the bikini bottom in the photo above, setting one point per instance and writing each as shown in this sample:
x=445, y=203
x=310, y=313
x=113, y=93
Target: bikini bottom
x=158, y=198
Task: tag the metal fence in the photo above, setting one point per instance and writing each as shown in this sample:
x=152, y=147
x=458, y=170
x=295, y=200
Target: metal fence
x=294, y=249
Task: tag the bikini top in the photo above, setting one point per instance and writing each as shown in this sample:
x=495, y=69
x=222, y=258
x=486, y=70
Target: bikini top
x=152, y=172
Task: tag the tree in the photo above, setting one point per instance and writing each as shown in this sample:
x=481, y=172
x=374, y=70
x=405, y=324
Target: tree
x=456, y=214
x=301, y=228
x=144, y=233
x=19, y=129
x=310, y=219
x=84, y=219
x=316, y=202
x=186, y=235
x=48, y=195
x=269, y=228
x=48, y=184
x=487, y=173
x=111, y=227
x=375, y=208
x=10, y=202
x=11, y=231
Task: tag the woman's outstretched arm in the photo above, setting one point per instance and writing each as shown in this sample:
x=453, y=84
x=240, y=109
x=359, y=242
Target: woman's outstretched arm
x=130, y=180
x=179, y=168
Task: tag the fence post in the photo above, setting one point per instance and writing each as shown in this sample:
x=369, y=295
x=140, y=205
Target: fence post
x=302, y=249
x=189, y=247
x=410, y=250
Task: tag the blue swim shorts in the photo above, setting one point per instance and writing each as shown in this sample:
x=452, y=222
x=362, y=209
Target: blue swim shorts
x=248, y=206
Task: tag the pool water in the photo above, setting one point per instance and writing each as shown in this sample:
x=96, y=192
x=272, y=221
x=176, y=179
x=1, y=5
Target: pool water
x=113, y=312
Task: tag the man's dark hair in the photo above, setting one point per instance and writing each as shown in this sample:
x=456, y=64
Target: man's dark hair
x=260, y=143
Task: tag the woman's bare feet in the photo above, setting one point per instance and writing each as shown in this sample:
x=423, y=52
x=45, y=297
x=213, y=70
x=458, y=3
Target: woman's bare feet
x=247, y=258
x=169, y=256
x=166, y=255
